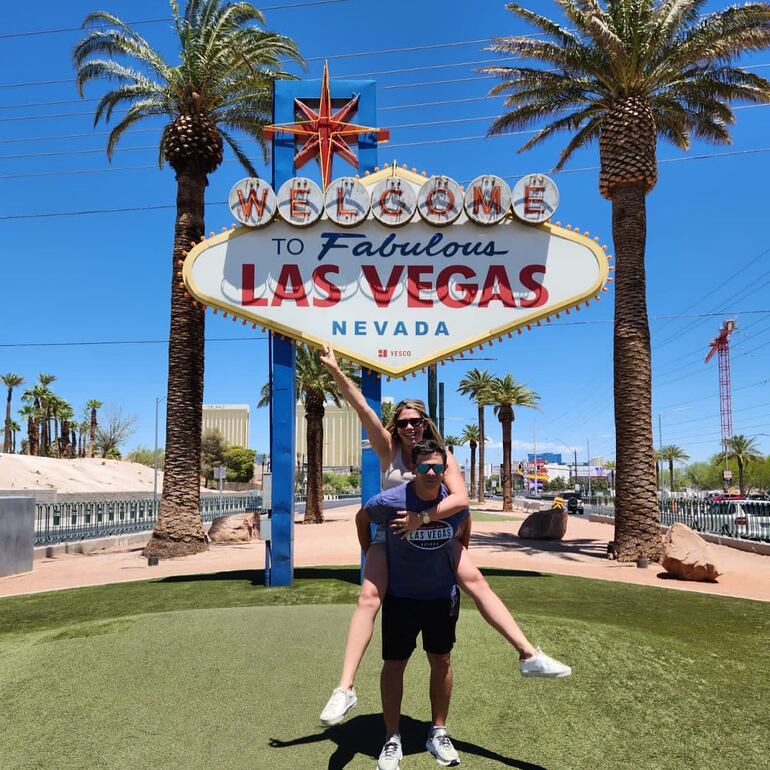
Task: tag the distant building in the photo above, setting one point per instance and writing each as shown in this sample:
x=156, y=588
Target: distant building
x=548, y=457
x=342, y=437
x=232, y=420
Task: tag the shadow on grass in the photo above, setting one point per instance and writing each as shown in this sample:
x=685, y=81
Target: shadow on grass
x=256, y=577
x=364, y=734
x=567, y=549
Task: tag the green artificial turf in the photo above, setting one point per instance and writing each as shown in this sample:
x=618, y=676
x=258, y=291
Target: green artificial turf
x=218, y=672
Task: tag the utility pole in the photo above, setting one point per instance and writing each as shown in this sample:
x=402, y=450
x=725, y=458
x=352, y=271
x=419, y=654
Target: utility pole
x=577, y=483
x=588, y=447
x=432, y=393
x=441, y=409
x=659, y=461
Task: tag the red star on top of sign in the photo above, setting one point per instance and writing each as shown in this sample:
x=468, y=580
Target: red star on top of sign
x=325, y=132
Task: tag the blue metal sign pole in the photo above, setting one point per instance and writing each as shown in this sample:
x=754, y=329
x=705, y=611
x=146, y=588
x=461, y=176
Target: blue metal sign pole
x=283, y=374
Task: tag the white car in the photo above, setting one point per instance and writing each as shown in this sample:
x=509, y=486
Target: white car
x=736, y=518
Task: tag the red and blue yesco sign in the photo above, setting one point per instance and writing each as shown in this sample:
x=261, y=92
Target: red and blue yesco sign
x=394, y=269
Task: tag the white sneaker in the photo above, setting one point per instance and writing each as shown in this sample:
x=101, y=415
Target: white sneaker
x=340, y=702
x=440, y=745
x=541, y=664
x=390, y=756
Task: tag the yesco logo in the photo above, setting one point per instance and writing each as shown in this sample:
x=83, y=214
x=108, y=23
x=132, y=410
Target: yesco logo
x=432, y=537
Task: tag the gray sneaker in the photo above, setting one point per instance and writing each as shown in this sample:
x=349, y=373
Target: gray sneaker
x=541, y=664
x=340, y=702
x=390, y=756
x=440, y=745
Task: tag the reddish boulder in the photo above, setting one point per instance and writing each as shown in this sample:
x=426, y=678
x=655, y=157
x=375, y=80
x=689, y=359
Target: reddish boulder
x=688, y=556
x=544, y=525
x=238, y=528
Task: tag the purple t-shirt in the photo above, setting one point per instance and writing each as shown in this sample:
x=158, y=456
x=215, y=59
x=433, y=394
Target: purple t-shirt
x=421, y=565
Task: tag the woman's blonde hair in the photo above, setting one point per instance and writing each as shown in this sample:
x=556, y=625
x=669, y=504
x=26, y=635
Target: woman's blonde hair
x=429, y=431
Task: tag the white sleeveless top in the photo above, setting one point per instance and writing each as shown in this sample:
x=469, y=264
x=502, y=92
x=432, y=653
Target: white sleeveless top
x=396, y=473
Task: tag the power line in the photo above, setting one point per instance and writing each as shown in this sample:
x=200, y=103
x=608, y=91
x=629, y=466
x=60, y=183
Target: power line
x=163, y=20
x=95, y=343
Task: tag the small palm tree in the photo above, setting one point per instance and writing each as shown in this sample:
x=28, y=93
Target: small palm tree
x=505, y=394
x=451, y=442
x=222, y=83
x=37, y=397
x=15, y=428
x=314, y=385
x=476, y=385
x=29, y=413
x=744, y=451
x=625, y=73
x=93, y=406
x=471, y=436
x=11, y=381
x=672, y=454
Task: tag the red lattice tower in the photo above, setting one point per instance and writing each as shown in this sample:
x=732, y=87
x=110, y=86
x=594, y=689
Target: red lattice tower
x=721, y=345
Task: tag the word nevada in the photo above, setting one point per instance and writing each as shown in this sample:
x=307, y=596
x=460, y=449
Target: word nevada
x=394, y=201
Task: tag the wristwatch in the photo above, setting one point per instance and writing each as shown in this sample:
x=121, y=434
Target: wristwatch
x=425, y=517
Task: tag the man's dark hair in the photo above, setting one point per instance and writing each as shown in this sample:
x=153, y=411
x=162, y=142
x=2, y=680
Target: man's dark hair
x=428, y=447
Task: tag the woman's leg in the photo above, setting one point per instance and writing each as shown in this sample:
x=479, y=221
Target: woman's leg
x=361, y=627
x=489, y=603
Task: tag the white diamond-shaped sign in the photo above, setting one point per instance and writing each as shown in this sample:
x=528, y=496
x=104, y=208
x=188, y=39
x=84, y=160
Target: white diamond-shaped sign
x=396, y=299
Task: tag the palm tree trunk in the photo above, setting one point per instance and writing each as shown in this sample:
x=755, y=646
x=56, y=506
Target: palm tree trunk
x=671, y=475
x=481, y=454
x=740, y=475
x=314, y=414
x=92, y=434
x=637, y=516
x=473, y=466
x=7, y=435
x=507, y=425
x=31, y=436
x=178, y=531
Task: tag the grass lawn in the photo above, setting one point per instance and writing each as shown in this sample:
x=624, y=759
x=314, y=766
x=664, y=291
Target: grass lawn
x=215, y=671
x=486, y=516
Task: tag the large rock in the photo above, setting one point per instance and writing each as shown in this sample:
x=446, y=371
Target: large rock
x=544, y=525
x=688, y=556
x=238, y=528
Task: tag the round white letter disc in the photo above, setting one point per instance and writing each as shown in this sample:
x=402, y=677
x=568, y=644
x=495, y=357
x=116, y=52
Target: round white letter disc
x=440, y=200
x=252, y=202
x=393, y=201
x=487, y=200
x=300, y=201
x=535, y=198
x=346, y=201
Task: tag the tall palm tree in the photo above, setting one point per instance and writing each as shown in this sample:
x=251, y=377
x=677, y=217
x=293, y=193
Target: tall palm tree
x=506, y=393
x=672, y=454
x=93, y=406
x=744, y=451
x=626, y=72
x=476, y=385
x=314, y=385
x=471, y=437
x=37, y=397
x=222, y=83
x=11, y=381
x=46, y=398
x=15, y=428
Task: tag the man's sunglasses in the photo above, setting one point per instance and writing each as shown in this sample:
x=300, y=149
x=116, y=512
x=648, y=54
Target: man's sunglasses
x=415, y=422
x=423, y=468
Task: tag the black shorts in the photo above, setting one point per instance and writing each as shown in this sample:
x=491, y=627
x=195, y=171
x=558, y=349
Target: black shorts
x=404, y=619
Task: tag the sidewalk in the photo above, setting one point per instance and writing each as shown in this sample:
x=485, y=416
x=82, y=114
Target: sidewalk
x=582, y=553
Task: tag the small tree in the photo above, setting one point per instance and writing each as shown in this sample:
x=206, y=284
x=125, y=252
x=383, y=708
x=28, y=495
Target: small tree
x=117, y=430
x=145, y=456
x=743, y=450
x=213, y=448
x=240, y=463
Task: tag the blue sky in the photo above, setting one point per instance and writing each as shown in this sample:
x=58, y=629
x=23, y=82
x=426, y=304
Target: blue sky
x=82, y=278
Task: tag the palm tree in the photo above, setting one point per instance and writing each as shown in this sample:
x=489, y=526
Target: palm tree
x=314, y=385
x=11, y=381
x=672, y=453
x=626, y=72
x=15, y=428
x=29, y=413
x=223, y=82
x=37, y=397
x=744, y=451
x=506, y=393
x=386, y=411
x=45, y=398
x=451, y=442
x=93, y=405
x=476, y=384
x=471, y=437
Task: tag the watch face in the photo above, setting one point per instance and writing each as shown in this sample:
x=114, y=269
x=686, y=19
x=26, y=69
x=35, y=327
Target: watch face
x=426, y=518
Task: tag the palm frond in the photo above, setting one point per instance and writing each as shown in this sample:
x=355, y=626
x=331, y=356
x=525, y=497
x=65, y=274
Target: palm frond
x=136, y=112
x=129, y=93
x=239, y=153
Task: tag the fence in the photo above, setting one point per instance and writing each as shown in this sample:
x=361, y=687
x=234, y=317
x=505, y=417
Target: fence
x=85, y=519
x=745, y=519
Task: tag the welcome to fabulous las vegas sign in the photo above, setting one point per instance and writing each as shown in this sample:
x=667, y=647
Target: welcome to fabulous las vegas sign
x=395, y=270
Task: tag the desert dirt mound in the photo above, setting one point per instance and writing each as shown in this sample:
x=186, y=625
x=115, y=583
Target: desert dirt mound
x=67, y=476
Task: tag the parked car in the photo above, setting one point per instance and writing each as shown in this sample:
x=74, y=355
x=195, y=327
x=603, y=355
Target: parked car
x=574, y=502
x=736, y=518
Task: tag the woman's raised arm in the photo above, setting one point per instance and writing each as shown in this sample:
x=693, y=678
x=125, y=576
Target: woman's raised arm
x=380, y=438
